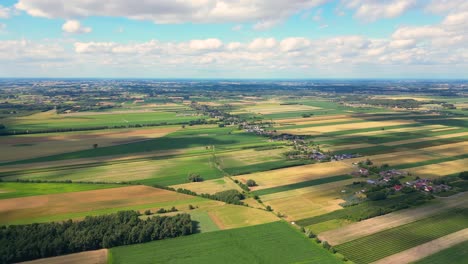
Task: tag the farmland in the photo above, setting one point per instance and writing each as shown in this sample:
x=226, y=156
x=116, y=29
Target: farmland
x=270, y=243
x=263, y=174
x=392, y=241
x=456, y=255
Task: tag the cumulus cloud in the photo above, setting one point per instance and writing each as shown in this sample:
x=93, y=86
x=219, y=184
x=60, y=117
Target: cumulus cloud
x=206, y=44
x=262, y=43
x=4, y=12
x=371, y=10
x=264, y=13
x=75, y=27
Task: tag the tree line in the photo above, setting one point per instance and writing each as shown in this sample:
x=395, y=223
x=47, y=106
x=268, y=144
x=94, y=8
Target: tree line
x=27, y=242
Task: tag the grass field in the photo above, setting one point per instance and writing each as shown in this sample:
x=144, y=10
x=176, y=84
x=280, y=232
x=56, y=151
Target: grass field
x=52, y=120
x=270, y=243
x=16, y=189
x=160, y=171
x=454, y=255
x=377, y=246
x=221, y=138
x=38, y=145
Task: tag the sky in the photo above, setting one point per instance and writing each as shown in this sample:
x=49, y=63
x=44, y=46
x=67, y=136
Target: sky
x=234, y=39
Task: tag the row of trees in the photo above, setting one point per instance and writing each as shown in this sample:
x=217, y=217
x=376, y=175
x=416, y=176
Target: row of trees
x=28, y=242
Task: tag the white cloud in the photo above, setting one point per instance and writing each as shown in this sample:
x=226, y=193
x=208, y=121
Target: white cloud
x=455, y=19
x=402, y=43
x=265, y=13
x=75, y=27
x=371, y=10
x=206, y=44
x=262, y=43
x=4, y=12
x=294, y=44
x=446, y=6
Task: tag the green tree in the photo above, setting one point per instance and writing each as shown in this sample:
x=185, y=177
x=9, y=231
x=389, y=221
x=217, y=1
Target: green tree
x=251, y=183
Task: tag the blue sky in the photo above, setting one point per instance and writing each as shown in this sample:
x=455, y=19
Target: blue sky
x=240, y=39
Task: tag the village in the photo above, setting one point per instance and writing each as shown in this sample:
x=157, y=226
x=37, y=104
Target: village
x=391, y=179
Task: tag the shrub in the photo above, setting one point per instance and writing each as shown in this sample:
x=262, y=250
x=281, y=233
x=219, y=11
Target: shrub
x=251, y=183
x=463, y=175
x=195, y=178
x=148, y=212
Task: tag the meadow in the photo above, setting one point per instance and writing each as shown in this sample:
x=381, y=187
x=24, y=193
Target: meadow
x=18, y=189
x=270, y=243
x=51, y=120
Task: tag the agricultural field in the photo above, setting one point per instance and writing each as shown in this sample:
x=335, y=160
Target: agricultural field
x=456, y=255
x=52, y=120
x=88, y=257
x=264, y=175
x=380, y=245
x=270, y=243
x=19, y=189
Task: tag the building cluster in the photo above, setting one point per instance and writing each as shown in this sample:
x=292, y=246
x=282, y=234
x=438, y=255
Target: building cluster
x=427, y=186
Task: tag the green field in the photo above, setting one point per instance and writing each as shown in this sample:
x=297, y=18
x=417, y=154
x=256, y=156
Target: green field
x=221, y=138
x=377, y=246
x=454, y=255
x=51, y=121
x=302, y=184
x=19, y=189
x=269, y=243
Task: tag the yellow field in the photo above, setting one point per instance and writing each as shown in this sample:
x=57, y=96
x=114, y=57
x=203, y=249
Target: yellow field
x=291, y=175
x=37, y=145
x=440, y=169
x=87, y=257
x=348, y=147
x=230, y=216
x=299, y=121
x=307, y=202
x=325, y=121
x=250, y=156
x=408, y=141
x=416, y=155
x=210, y=186
x=333, y=128
x=395, y=158
x=395, y=130
x=274, y=108
x=449, y=150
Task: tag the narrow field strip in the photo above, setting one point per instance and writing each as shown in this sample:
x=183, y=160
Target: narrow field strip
x=87, y=257
x=457, y=254
x=440, y=169
x=402, y=142
x=395, y=219
x=383, y=244
x=302, y=185
x=279, y=177
x=426, y=249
